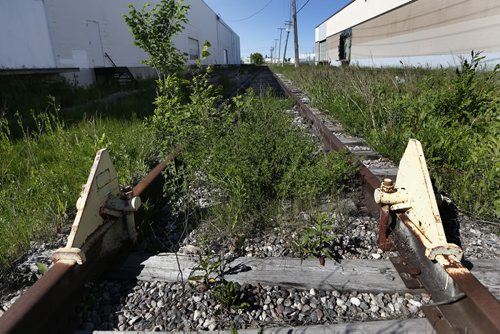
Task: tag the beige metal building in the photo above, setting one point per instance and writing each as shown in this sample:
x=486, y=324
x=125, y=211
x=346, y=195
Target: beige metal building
x=410, y=32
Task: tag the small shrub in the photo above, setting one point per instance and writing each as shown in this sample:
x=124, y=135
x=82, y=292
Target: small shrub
x=317, y=239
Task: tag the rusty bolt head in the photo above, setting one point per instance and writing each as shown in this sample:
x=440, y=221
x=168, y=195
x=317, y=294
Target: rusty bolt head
x=388, y=186
x=414, y=271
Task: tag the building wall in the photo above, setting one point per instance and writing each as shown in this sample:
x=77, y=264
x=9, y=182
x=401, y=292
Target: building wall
x=205, y=25
x=24, y=35
x=74, y=33
x=356, y=12
x=426, y=33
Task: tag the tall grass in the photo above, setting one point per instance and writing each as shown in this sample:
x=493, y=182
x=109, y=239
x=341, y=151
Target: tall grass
x=454, y=113
x=22, y=96
x=43, y=167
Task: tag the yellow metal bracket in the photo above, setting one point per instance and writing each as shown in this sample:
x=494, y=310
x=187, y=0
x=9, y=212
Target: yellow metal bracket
x=413, y=195
x=99, y=200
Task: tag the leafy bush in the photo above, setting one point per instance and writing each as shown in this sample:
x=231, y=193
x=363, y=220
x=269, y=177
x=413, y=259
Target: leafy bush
x=453, y=113
x=256, y=58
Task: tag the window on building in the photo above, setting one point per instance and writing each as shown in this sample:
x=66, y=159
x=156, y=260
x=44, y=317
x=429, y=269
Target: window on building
x=345, y=46
x=194, y=49
x=322, y=50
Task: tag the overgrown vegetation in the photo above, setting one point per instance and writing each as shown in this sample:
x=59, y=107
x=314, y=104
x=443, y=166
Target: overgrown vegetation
x=243, y=158
x=248, y=161
x=23, y=96
x=454, y=113
x=41, y=173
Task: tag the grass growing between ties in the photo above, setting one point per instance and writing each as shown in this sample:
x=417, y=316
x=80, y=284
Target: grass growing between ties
x=244, y=160
x=44, y=164
x=454, y=113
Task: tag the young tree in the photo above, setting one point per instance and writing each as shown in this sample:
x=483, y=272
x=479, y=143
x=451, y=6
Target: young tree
x=154, y=29
x=256, y=58
x=184, y=110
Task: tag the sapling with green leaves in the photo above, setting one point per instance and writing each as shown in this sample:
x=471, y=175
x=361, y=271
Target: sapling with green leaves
x=154, y=29
x=317, y=239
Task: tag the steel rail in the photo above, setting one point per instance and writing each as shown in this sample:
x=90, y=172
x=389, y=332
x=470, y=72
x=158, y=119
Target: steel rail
x=462, y=303
x=44, y=307
x=331, y=142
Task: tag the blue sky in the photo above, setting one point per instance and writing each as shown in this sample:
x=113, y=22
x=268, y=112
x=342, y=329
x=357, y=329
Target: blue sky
x=257, y=32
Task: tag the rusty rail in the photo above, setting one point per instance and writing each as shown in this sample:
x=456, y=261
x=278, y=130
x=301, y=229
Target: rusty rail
x=47, y=306
x=331, y=142
x=463, y=305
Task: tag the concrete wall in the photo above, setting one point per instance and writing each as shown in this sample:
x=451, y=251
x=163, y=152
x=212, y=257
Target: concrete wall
x=425, y=33
x=75, y=33
x=24, y=35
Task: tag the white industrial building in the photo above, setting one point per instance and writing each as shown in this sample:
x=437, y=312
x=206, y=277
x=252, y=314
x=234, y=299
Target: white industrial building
x=410, y=32
x=78, y=38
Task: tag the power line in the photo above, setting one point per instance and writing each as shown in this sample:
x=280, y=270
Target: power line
x=249, y=17
x=303, y=6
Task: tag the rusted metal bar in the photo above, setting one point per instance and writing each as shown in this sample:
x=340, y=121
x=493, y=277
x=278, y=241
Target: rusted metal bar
x=331, y=142
x=461, y=303
x=154, y=174
x=39, y=301
x=485, y=306
x=383, y=234
x=47, y=305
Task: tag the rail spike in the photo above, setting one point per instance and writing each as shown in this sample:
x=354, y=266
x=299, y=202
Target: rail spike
x=413, y=194
x=99, y=200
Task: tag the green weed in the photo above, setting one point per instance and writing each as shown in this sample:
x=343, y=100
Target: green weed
x=317, y=239
x=455, y=114
x=42, y=172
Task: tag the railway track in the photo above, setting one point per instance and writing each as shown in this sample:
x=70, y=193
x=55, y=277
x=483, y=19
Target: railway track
x=408, y=284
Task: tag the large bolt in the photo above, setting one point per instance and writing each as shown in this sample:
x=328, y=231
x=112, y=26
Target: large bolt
x=388, y=186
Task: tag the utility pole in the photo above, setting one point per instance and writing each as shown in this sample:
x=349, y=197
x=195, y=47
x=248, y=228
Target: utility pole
x=288, y=24
x=279, y=49
x=272, y=49
x=295, y=32
x=275, y=47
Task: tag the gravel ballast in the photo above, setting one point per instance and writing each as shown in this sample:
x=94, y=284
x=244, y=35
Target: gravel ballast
x=176, y=306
